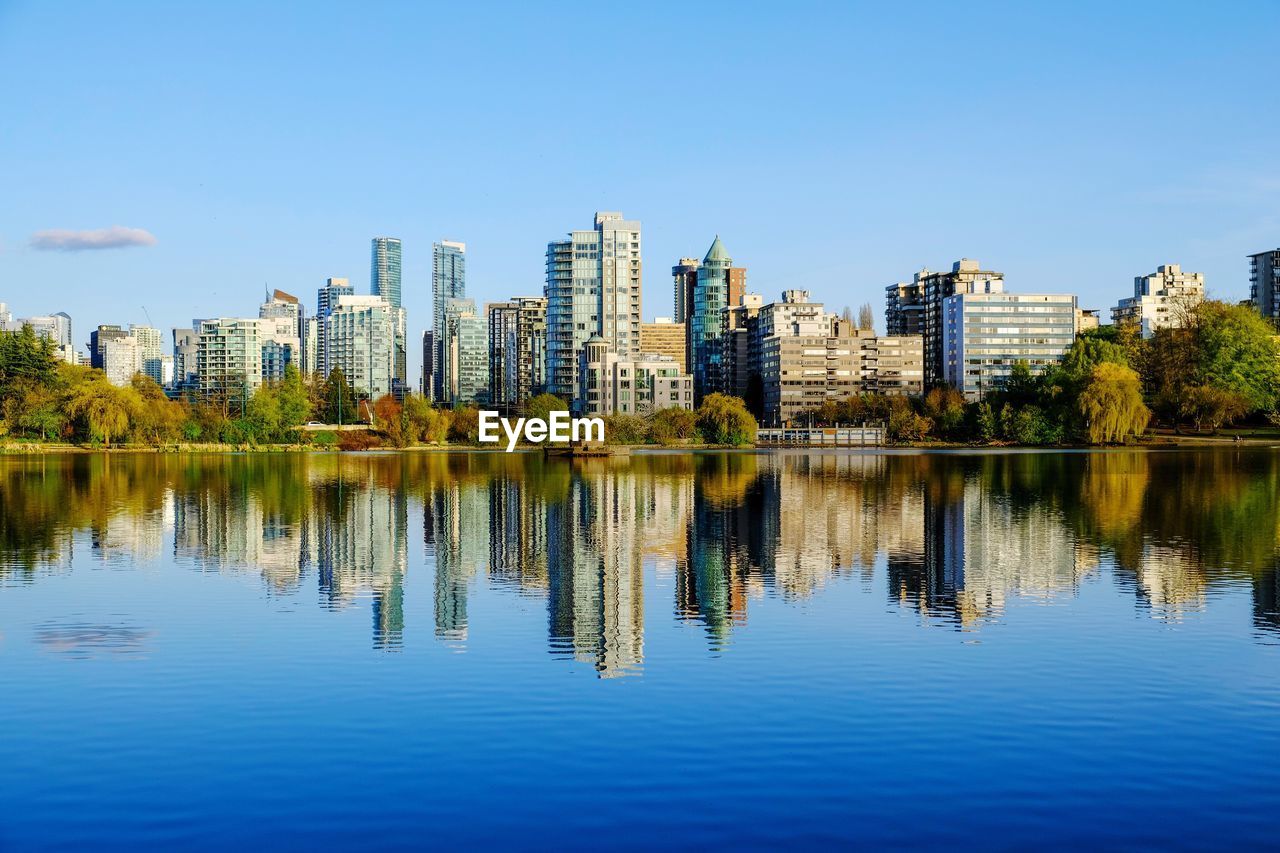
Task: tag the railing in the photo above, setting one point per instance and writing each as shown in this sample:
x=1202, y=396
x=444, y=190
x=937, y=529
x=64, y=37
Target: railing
x=821, y=437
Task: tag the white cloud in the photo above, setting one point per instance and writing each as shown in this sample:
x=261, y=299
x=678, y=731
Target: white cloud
x=115, y=237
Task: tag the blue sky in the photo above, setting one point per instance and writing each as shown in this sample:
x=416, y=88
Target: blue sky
x=834, y=147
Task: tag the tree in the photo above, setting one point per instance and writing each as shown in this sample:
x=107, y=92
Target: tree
x=294, y=399
x=1208, y=405
x=1237, y=352
x=945, y=407
x=388, y=416
x=543, y=405
x=158, y=419
x=724, y=419
x=340, y=400
x=464, y=425
x=262, y=415
x=1111, y=404
x=103, y=409
x=867, y=317
x=673, y=425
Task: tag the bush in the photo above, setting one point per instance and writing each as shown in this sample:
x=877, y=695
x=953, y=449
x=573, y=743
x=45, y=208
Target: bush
x=672, y=426
x=723, y=419
x=625, y=429
x=361, y=439
x=324, y=438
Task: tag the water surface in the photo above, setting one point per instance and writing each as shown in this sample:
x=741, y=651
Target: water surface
x=394, y=650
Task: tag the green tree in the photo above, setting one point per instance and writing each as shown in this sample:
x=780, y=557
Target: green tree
x=340, y=400
x=158, y=419
x=724, y=419
x=625, y=429
x=1211, y=406
x=673, y=425
x=1237, y=352
x=103, y=410
x=945, y=407
x=543, y=405
x=294, y=399
x=464, y=425
x=1111, y=404
x=261, y=421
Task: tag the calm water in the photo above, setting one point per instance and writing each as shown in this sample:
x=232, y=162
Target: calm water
x=989, y=650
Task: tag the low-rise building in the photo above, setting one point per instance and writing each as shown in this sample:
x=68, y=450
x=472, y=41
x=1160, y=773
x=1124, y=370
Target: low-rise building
x=631, y=385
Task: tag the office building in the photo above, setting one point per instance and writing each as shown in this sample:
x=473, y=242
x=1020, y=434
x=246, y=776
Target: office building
x=664, y=337
x=1264, y=284
x=985, y=334
x=710, y=297
x=326, y=301
x=464, y=364
x=360, y=341
x=384, y=269
x=631, y=385
x=1160, y=300
x=593, y=288
x=310, y=345
x=517, y=352
x=448, y=281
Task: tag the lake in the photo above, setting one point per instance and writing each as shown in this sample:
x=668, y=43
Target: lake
x=983, y=649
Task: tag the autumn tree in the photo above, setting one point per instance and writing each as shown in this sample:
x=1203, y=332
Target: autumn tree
x=1111, y=404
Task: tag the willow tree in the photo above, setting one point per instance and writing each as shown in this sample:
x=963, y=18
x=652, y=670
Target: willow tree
x=1111, y=404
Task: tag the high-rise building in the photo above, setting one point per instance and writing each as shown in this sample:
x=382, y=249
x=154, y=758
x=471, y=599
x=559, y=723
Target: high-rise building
x=360, y=341
x=663, y=337
x=1160, y=300
x=310, y=345
x=384, y=269
x=735, y=344
x=280, y=345
x=711, y=295
x=985, y=334
x=904, y=306
x=122, y=359
x=892, y=365
x=517, y=352
x=631, y=385
x=100, y=336
x=593, y=288
x=966, y=276
x=684, y=278
x=429, y=353
x=326, y=300
x=229, y=361
x=152, y=344
x=281, y=305
x=448, y=281
x=186, y=345
x=1264, y=284
x=464, y=365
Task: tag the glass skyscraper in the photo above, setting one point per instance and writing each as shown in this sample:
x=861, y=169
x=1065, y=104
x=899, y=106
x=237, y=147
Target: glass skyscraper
x=710, y=297
x=384, y=269
x=448, y=281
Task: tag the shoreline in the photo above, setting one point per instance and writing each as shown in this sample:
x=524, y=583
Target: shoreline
x=1161, y=442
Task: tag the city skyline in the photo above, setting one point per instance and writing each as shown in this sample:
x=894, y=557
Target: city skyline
x=233, y=187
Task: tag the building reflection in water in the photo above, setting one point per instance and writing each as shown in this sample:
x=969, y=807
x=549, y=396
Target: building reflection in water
x=953, y=538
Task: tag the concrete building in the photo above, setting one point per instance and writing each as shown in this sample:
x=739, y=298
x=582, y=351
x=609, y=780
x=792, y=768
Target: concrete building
x=892, y=365
x=517, y=352
x=930, y=289
x=326, y=301
x=904, y=306
x=152, y=343
x=736, y=364
x=1160, y=300
x=385, y=281
x=186, y=345
x=122, y=359
x=631, y=385
x=229, y=361
x=985, y=334
x=684, y=279
x=1088, y=319
x=593, y=287
x=98, y=337
x=429, y=354
x=280, y=345
x=665, y=337
x=285, y=306
x=360, y=341
x=448, y=281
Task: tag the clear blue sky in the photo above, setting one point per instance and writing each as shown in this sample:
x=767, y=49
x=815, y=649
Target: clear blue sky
x=834, y=147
